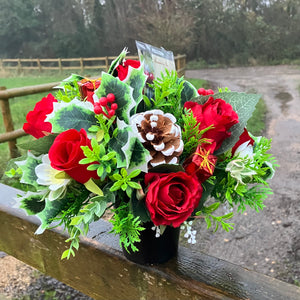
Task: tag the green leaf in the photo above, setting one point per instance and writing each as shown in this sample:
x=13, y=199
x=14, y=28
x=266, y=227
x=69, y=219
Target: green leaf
x=73, y=115
x=123, y=93
x=33, y=203
x=188, y=92
x=28, y=169
x=39, y=146
x=118, y=143
x=139, y=208
x=134, y=185
x=138, y=155
x=117, y=61
x=76, y=220
x=69, y=80
x=134, y=173
x=167, y=168
x=243, y=104
x=136, y=78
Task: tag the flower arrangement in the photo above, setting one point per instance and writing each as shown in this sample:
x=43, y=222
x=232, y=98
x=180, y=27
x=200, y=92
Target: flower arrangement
x=148, y=149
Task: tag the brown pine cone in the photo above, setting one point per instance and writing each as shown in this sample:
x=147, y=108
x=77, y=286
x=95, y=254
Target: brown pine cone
x=160, y=135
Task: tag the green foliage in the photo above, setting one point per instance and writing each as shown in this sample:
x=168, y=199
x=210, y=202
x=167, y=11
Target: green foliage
x=191, y=135
x=127, y=226
x=69, y=89
x=167, y=93
x=124, y=181
x=220, y=220
x=229, y=188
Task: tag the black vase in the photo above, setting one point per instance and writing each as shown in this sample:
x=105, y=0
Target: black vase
x=155, y=250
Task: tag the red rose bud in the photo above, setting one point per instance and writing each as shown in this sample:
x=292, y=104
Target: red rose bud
x=87, y=88
x=205, y=92
x=36, y=125
x=122, y=69
x=244, y=137
x=201, y=164
x=65, y=154
x=216, y=113
x=171, y=198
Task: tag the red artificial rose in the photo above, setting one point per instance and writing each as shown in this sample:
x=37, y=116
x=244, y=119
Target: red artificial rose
x=244, y=137
x=35, y=119
x=214, y=112
x=172, y=198
x=65, y=154
x=201, y=163
x=87, y=88
x=122, y=69
x=205, y=92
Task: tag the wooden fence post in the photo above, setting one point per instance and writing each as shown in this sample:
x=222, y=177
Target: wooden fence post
x=59, y=65
x=19, y=66
x=8, y=124
x=1, y=65
x=39, y=64
x=106, y=63
x=81, y=65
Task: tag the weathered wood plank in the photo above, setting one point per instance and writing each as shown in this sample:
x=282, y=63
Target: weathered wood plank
x=101, y=271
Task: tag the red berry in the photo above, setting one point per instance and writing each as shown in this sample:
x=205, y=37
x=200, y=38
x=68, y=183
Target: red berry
x=209, y=92
x=110, y=97
x=151, y=76
x=111, y=113
x=98, y=110
x=103, y=101
x=202, y=92
x=114, y=106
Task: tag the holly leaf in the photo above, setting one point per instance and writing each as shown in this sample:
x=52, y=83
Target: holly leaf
x=69, y=80
x=33, y=203
x=138, y=156
x=28, y=169
x=39, y=146
x=123, y=93
x=136, y=78
x=75, y=114
x=118, y=143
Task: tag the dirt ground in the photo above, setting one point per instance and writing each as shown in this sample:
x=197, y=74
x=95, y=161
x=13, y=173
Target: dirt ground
x=267, y=242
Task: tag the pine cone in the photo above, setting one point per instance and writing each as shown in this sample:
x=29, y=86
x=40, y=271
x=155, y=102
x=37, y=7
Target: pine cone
x=160, y=135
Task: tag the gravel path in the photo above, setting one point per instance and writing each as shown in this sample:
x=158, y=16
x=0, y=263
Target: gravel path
x=269, y=241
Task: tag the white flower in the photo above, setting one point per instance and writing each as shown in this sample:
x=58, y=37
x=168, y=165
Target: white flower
x=55, y=179
x=244, y=150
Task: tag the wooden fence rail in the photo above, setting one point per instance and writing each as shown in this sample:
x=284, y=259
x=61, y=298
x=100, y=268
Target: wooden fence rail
x=11, y=134
x=62, y=64
x=100, y=270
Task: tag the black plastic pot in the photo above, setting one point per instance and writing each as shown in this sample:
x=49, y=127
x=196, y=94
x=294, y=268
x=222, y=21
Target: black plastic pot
x=155, y=250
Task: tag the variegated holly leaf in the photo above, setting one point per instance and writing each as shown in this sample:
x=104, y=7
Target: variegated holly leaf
x=28, y=169
x=136, y=78
x=138, y=156
x=123, y=93
x=75, y=114
x=69, y=80
x=33, y=203
x=54, y=208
